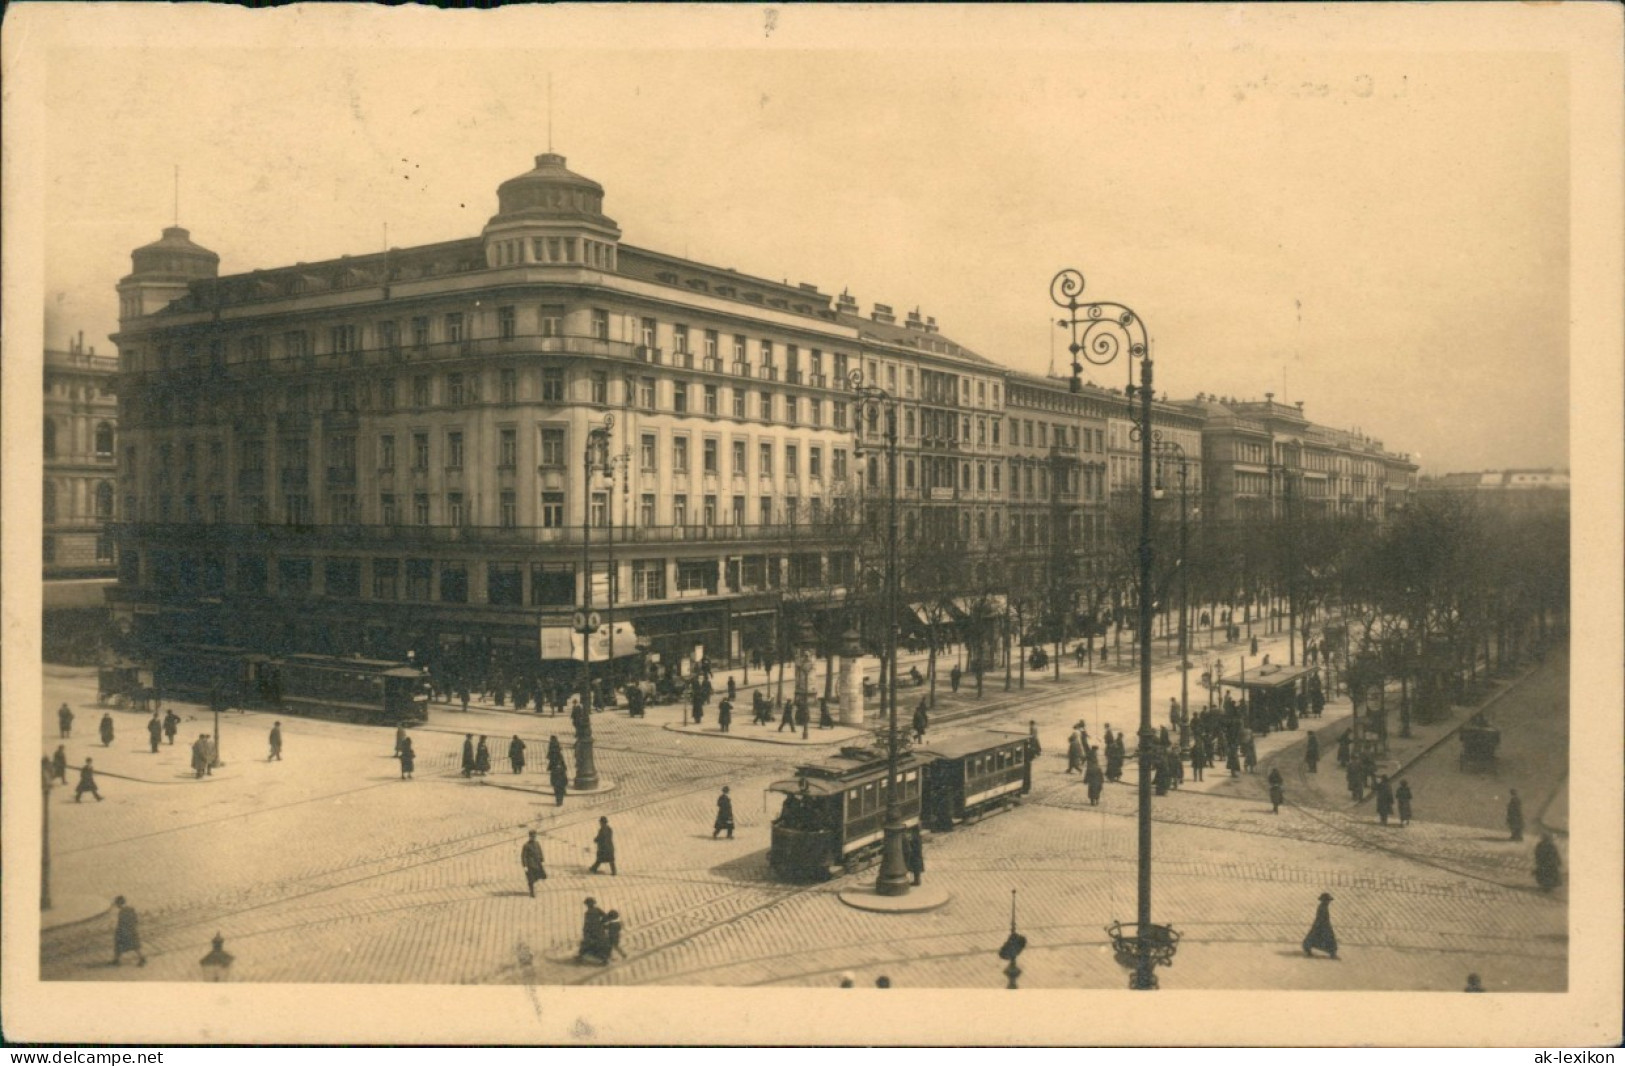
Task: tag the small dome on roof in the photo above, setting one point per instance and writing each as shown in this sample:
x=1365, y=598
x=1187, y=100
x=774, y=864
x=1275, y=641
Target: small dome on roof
x=552, y=190
x=175, y=254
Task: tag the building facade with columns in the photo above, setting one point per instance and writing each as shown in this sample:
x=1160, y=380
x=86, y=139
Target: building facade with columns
x=391, y=451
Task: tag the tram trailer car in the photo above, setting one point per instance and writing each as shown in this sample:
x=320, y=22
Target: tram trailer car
x=972, y=775
x=834, y=814
x=235, y=676
x=370, y=691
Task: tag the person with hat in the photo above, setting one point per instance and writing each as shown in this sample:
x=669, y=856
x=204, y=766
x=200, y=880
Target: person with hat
x=592, y=933
x=1385, y=799
x=1321, y=935
x=276, y=743
x=172, y=725
x=107, y=730
x=516, y=754
x=64, y=720
x=155, y=731
x=408, y=758
x=87, y=783
x=59, y=764
x=605, y=843
x=482, y=759
x=127, y=933
x=725, y=816
x=530, y=857
x=1277, y=790
x=200, y=755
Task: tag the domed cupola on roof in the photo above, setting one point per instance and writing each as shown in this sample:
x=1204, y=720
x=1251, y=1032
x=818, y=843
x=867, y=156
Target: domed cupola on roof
x=551, y=216
x=161, y=272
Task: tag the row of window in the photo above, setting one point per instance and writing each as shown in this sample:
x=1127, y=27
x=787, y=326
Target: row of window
x=101, y=501
x=102, y=439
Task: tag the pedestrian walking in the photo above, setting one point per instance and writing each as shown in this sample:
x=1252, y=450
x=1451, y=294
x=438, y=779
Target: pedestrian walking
x=1199, y=758
x=400, y=738
x=612, y=935
x=732, y=694
x=87, y=783
x=1093, y=779
x=127, y=933
x=482, y=758
x=725, y=713
x=1277, y=790
x=276, y=743
x=559, y=778
x=516, y=754
x=107, y=730
x=468, y=754
x=1385, y=800
x=1515, y=815
x=1402, y=796
x=408, y=757
x=921, y=722
x=953, y=678
x=172, y=725
x=1232, y=761
x=788, y=719
x=155, y=731
x=1343, y=743
x=605, y=843
x=1548, y=864
x=697, y=703
x=530, y=857
x=1321, y=937
x=1074, y=753
x=914, y=853
x=64, y=721
x=592, y=933
x=1311, y=752
x=200, y=755
x=59, y=764
x=1249, y=754
x=725, y=815
x=1356, y=781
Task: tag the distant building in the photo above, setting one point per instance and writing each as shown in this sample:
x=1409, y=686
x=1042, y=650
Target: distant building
x=81, y=420
x=1522, y=489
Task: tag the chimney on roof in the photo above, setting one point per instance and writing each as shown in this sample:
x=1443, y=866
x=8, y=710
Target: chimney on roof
x=1300, y=407
x=914, y=321
x=807, y=287
x=847, y=303
x=883, y=314
x=80, y=347
x=1269, y=397
x=930, y=324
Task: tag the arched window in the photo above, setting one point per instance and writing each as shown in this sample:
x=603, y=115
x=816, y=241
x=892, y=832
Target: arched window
x=49, y=512
x=50, y=439
x=104, y=439
x=104, y=499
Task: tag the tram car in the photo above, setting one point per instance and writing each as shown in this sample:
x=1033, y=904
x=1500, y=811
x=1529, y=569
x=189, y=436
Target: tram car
x=834, y=813
x=972, y=775
x=370, y=691
x=231, y=677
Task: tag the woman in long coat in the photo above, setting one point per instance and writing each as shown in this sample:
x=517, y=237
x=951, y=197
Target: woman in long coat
x=468, y=754
x=1277, y=790
x=482, y=759
x=1548, y=864
x=1074, y=753
x=559, y=778
x=107, y=730
x=1385, y=800
x=1402, y=796
x=516, y=754
x=127, y=934
x=725, y=815
x=605, y=843
x=408, y=758
x=1093, y=779
x=1321, y=935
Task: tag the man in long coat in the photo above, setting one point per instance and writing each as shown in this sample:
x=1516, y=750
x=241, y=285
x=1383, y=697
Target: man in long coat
x=605, y=844
x=172, y=725
x=1321, y=935
x=1277, y=790
x=914, y=853
x=59, y=764
x=276, y=743
x=107, y=730
x=64, y=720
x=1074, y=753
x=1311, y=752
x=921, y=722
x=1385, y=800
x=725, y=714
x=155, y=731
x=468, y=754
x=87, y=783
x=1093, y=779
x=516, y=754
x=127, y=933
x=530, y=857
x=1515, y=815
x=1548, y=864
x=725, y=816
x=592, y=933
x=200, y=754
x=482, y=758
x=1402, y=796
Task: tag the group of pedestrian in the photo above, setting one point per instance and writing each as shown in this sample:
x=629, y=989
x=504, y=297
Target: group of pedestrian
x=600, y=934
x=476, y=757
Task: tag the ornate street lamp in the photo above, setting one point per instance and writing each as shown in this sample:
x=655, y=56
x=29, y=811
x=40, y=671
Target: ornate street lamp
x=595, y=456
x=1014, y=945
x=805, y=641
x=894, y=877
x=217, y=963
x=1100, y=332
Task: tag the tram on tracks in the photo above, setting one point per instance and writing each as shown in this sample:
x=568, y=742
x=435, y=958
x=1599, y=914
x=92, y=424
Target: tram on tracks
x=368, y=691
x=834, y=813
x=227, y=676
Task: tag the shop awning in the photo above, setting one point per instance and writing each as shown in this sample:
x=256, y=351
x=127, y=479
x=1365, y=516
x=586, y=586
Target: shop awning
x=562, y=642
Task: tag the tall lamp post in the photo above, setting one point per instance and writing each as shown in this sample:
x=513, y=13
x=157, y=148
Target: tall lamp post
x=45, y=833
x=874, y=400
x=1100, y=332
x=595, y=456
x=1174, y=448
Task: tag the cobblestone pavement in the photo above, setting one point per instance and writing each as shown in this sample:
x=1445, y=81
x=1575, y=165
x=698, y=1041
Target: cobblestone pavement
x=327, y=867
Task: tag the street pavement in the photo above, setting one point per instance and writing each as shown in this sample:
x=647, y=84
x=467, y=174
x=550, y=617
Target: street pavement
x=326, y=866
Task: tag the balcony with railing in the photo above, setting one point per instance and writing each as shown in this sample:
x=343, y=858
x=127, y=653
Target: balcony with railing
x=354, y=537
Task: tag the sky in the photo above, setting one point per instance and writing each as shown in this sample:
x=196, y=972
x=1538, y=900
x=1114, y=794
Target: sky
x=1382, y=233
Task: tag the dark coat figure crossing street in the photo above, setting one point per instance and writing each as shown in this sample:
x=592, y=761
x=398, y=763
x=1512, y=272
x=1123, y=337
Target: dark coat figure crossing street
x=64, y=721
x=276, y=743
x=1074, y=753
x=1515, y=815
x=921, y=722
x=1402, y=796
x=530, y=857
x=1385, y=800
x=468, y=754
x=200, y=754
x=482, y=758
x=558, y=778
x=408, y=758
x=1093, y=779
x=592, y=934
x=612, y=935
x=914, y=853
x=1321, y=937
x=725, y=815
x=127, y=933
x=725, y=714
x=1548, y=864
x=107, y=730
x=604, y=842
x=155, y=731
x=788, y=719
x=516, y=754
x=1311, y=752
x=87, y=783
x=172, y=725
x=1277, y=790
x=59, y=764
